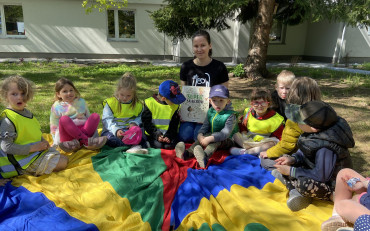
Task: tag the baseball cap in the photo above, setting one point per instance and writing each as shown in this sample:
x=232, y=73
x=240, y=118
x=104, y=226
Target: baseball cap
x=220, y=91
x=132, y=136
x=171, y=91
x=317, y=114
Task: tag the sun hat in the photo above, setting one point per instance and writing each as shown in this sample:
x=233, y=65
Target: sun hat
x=317, y=114
x=220, y=91
x=171, y=91
x=132, y=136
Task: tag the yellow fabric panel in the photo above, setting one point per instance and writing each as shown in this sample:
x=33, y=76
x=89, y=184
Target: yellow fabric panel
x=80, y=191
x=241, y=206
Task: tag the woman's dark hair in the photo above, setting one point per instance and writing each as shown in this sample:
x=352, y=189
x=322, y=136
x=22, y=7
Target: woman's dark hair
x=204, y=34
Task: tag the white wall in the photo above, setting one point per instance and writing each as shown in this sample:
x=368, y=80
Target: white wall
x=62, y=26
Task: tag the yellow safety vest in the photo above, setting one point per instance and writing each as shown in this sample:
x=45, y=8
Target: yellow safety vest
x=161, y=114
x=260, y=129
x=123, y=113
x=28, y=132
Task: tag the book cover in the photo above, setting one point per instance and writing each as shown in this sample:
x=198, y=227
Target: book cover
x=195, y=108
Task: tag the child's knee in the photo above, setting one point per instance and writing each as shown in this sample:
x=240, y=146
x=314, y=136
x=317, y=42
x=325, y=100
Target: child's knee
x=62, y=163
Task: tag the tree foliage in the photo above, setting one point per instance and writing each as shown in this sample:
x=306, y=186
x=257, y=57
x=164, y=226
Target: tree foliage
x=181, y=19
x=102, y=5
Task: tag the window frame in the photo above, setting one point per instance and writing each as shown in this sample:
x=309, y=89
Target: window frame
x=4, y=33
x=283, y=33
x=116, y=26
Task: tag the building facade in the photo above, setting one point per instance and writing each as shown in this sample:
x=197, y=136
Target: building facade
x=61, y=29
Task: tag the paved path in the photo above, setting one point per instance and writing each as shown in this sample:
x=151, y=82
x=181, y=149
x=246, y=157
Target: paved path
x=171, y=63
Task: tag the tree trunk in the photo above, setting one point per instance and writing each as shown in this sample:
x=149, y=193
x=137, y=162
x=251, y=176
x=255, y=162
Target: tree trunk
x=255, y=66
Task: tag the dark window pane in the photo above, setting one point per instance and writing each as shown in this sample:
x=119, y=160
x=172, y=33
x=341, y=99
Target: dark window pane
x=111, y=24
x=14, y=20
x=126, y=24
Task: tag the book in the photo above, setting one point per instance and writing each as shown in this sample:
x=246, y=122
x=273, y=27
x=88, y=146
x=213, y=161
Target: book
x=195, y=108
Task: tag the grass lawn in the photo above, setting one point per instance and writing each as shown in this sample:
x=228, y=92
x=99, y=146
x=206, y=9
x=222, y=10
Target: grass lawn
x=347, y=93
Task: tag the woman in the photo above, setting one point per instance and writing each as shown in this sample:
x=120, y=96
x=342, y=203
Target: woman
x=201, y=71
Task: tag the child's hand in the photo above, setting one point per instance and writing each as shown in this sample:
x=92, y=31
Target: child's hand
x=40, y=146
x=285, y=160
x=205, y=141
x=3, y=181
x=166, y=140
x=263, y=155
x=283, y=169
x=80, y=116
x=357, y=184
x=120, y=133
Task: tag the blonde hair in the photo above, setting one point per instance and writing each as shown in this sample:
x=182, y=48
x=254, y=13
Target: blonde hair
x=127, y=81
x=23, y=84
x=303, y=90
x=285, y=77
x=60, y=84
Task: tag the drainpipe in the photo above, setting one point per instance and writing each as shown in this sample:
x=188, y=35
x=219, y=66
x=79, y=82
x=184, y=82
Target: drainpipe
x=341, y=43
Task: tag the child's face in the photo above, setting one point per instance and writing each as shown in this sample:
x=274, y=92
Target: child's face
x=260, y=106
x=67, y=93
x=15, y=98
x=218, y=103
x=125, y=95
x=201, y=47
x=283, y=89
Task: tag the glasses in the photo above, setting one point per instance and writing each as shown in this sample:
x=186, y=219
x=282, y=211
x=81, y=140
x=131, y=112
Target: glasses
x=263, y=103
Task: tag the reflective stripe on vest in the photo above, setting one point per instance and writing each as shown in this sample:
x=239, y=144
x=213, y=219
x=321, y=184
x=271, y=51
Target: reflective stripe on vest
x=161, y=114
x=28, y=132
x=123, y=113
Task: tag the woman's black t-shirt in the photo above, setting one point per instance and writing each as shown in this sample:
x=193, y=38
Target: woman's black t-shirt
x=205, y=76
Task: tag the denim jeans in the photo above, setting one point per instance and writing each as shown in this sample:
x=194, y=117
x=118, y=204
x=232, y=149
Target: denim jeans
x=188, y=131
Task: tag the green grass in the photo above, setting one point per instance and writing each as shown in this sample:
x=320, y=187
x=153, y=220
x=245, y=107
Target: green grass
x=348, y=93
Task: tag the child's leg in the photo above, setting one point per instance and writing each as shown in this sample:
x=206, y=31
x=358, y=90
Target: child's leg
x=191, y=148
x=311, y=188
x=350, y=210
x=186, y=131
x=211, y=148
x=261, y=148
x=238, y=139
x=112, y=141
x=62, y=163
x=91, y=125
x=69, y=131
x=341, y=189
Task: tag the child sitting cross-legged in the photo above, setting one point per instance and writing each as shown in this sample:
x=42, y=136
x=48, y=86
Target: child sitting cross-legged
x=216, y=131
x=323, y=152
x=160, y=116
x=261, y=127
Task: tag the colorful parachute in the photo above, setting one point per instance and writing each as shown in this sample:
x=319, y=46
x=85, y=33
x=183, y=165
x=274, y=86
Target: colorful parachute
x=114, y=190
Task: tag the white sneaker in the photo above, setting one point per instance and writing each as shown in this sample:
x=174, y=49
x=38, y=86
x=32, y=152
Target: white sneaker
x=137, y=149
x=237, y=151
x=200, y=156
x=180, y=149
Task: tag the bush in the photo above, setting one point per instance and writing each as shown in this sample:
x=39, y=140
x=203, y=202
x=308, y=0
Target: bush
x=238, y=70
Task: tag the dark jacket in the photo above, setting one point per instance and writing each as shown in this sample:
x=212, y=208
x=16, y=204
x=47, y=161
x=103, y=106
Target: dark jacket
x=321, y=155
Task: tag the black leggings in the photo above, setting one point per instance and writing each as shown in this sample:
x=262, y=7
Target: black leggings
x=310, y=188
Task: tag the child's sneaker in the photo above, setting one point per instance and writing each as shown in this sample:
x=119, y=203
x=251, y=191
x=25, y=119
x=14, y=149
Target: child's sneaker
x=278, y=176
x=296, y=201
x=237, y=151
x=70, y=146
x=137, y=149
x=200, y=156
x=333, y=223
x=96, y=142
x=180, y=149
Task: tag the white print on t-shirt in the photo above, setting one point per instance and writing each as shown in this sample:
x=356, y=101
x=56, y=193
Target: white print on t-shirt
x=201, y=81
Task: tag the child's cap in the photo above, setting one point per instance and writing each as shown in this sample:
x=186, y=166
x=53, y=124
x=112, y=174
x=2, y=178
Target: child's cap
x=171, y=91
x=220, y=91
x=132, y=136
x=317, y=114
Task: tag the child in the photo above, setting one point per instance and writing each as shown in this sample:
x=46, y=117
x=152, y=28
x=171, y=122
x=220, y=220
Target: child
x=22, y=147
x=217, y=129
x=303, y=90
x=283, y=82
x=71, y=124
x=323, y=151
x=122, y=113
x=349, y=207
x=160, y=116
x=261, y=126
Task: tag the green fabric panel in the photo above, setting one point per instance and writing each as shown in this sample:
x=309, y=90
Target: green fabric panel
x=205, y=227
x=255, y=227
x=136, y=177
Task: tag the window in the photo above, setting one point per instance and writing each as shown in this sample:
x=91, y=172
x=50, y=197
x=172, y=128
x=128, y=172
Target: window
x=121, y=24
x=277, y=33
x=11, y=21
